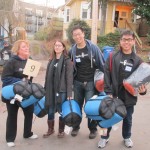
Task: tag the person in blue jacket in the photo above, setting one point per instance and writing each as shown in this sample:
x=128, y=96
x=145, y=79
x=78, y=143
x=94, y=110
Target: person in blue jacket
x=12, y=73
x=86, y=58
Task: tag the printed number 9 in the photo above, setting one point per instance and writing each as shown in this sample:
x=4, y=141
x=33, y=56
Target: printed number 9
x=32, y=68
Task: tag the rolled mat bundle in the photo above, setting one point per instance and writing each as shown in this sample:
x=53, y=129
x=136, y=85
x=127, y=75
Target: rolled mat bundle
x=30, y=92
x=99, y=80
x=39, y=108
x=140, y=76
x=105, y=110
x=71, y=113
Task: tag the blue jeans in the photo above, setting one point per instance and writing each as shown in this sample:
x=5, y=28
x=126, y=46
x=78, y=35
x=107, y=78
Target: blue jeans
x=58, y=107
x=84, y=91
x=126, y=125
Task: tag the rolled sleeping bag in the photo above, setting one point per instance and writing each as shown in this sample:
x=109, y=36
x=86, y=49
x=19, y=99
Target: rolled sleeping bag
x=140, y=76
x=39, y=108
x=38, y=92
x=119, y=115
x=99, y=80
x=71, y=113
x=99, y=107
x=21, y=88
x=8, y=92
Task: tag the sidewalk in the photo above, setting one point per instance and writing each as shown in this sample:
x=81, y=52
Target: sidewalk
x=141, y=133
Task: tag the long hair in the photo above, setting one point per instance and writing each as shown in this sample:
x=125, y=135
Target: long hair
x=53, y=53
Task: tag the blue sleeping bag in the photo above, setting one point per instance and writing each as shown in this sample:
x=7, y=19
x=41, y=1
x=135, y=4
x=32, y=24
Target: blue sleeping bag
x=39, y=108
x=30, y=92
x=105, y=110
x=71, y=113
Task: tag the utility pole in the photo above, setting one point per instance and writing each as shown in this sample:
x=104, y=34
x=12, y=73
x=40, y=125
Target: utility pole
x=46, y=13
x=94, y=21
x=37, y=22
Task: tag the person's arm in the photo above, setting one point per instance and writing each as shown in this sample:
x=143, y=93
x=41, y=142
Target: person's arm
x=69, y=78
x=107, y=78
x=8, y=74
x=99, y=58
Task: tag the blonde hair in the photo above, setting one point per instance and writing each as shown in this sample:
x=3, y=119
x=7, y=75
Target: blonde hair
x=17, y=44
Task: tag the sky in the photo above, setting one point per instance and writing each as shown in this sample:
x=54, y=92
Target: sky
x=52, y=3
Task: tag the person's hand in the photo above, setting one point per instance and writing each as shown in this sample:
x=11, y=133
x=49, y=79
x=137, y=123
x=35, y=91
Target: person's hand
x=142, y=88
x=69, y=98
x=110, y=95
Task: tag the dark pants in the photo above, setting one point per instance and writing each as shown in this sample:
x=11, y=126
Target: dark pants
x=84, y=91
x=126, y=126
x=11, y=124
x=58, y=107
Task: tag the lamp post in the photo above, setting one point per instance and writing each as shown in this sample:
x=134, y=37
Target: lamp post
x=94, y=21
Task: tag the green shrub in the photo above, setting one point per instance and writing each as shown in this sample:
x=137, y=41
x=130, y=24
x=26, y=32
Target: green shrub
x=83, y=24
x=41, y=35
x=110, y=39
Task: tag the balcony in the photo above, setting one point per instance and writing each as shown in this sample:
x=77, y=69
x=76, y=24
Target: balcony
x=40, y=22
x=39, y=15
x=29, y=13
x=29, y=21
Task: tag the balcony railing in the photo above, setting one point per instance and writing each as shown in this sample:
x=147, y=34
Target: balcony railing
x=29, y=13
x=29, y=21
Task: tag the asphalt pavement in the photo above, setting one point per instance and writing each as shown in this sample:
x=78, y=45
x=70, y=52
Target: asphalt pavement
x=140, y=131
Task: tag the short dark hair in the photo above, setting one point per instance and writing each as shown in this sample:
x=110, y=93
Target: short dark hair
x=127, y=32
x=76, y=27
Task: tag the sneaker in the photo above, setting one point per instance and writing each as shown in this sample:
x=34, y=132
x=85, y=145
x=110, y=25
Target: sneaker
x=92, y=134
x=34, y=136
x=128, y=143
x=102, y=143
x=10, y=144
x=74, y=132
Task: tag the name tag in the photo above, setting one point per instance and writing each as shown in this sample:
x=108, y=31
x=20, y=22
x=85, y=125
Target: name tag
x=128, y=68
x=78, y=60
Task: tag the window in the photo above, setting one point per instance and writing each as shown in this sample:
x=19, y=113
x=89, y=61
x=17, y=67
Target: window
x=67, y=15
x=85, y=11
x=123, y=14
x=39, y=13
x=28, y=11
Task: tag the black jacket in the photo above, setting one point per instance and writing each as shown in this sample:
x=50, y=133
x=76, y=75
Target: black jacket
x=13, y=70
x=63, y=82
x=111, y=76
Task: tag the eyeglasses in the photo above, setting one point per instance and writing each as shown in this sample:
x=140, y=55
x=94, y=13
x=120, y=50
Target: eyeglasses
x=77, y=34
x=127, y=40
x=58, y=45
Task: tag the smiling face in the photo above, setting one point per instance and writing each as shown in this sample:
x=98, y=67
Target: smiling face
x=58, y=48
x=23, y=51
x=126, y=43
x=78, y=36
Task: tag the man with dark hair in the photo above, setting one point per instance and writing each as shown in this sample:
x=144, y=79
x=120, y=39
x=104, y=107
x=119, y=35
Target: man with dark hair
x=86, y=58
x=123, y=63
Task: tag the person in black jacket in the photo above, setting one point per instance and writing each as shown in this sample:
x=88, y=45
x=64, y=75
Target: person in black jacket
x=13, y=72
x=117, y=68
x=58, y=85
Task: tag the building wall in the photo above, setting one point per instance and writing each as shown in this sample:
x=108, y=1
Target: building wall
x=112, y=7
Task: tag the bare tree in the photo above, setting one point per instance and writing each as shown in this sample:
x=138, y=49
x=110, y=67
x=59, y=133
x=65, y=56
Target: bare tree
x=7, y=14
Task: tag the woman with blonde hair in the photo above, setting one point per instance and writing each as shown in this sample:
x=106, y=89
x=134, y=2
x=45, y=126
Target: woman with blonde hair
x=13, y=72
